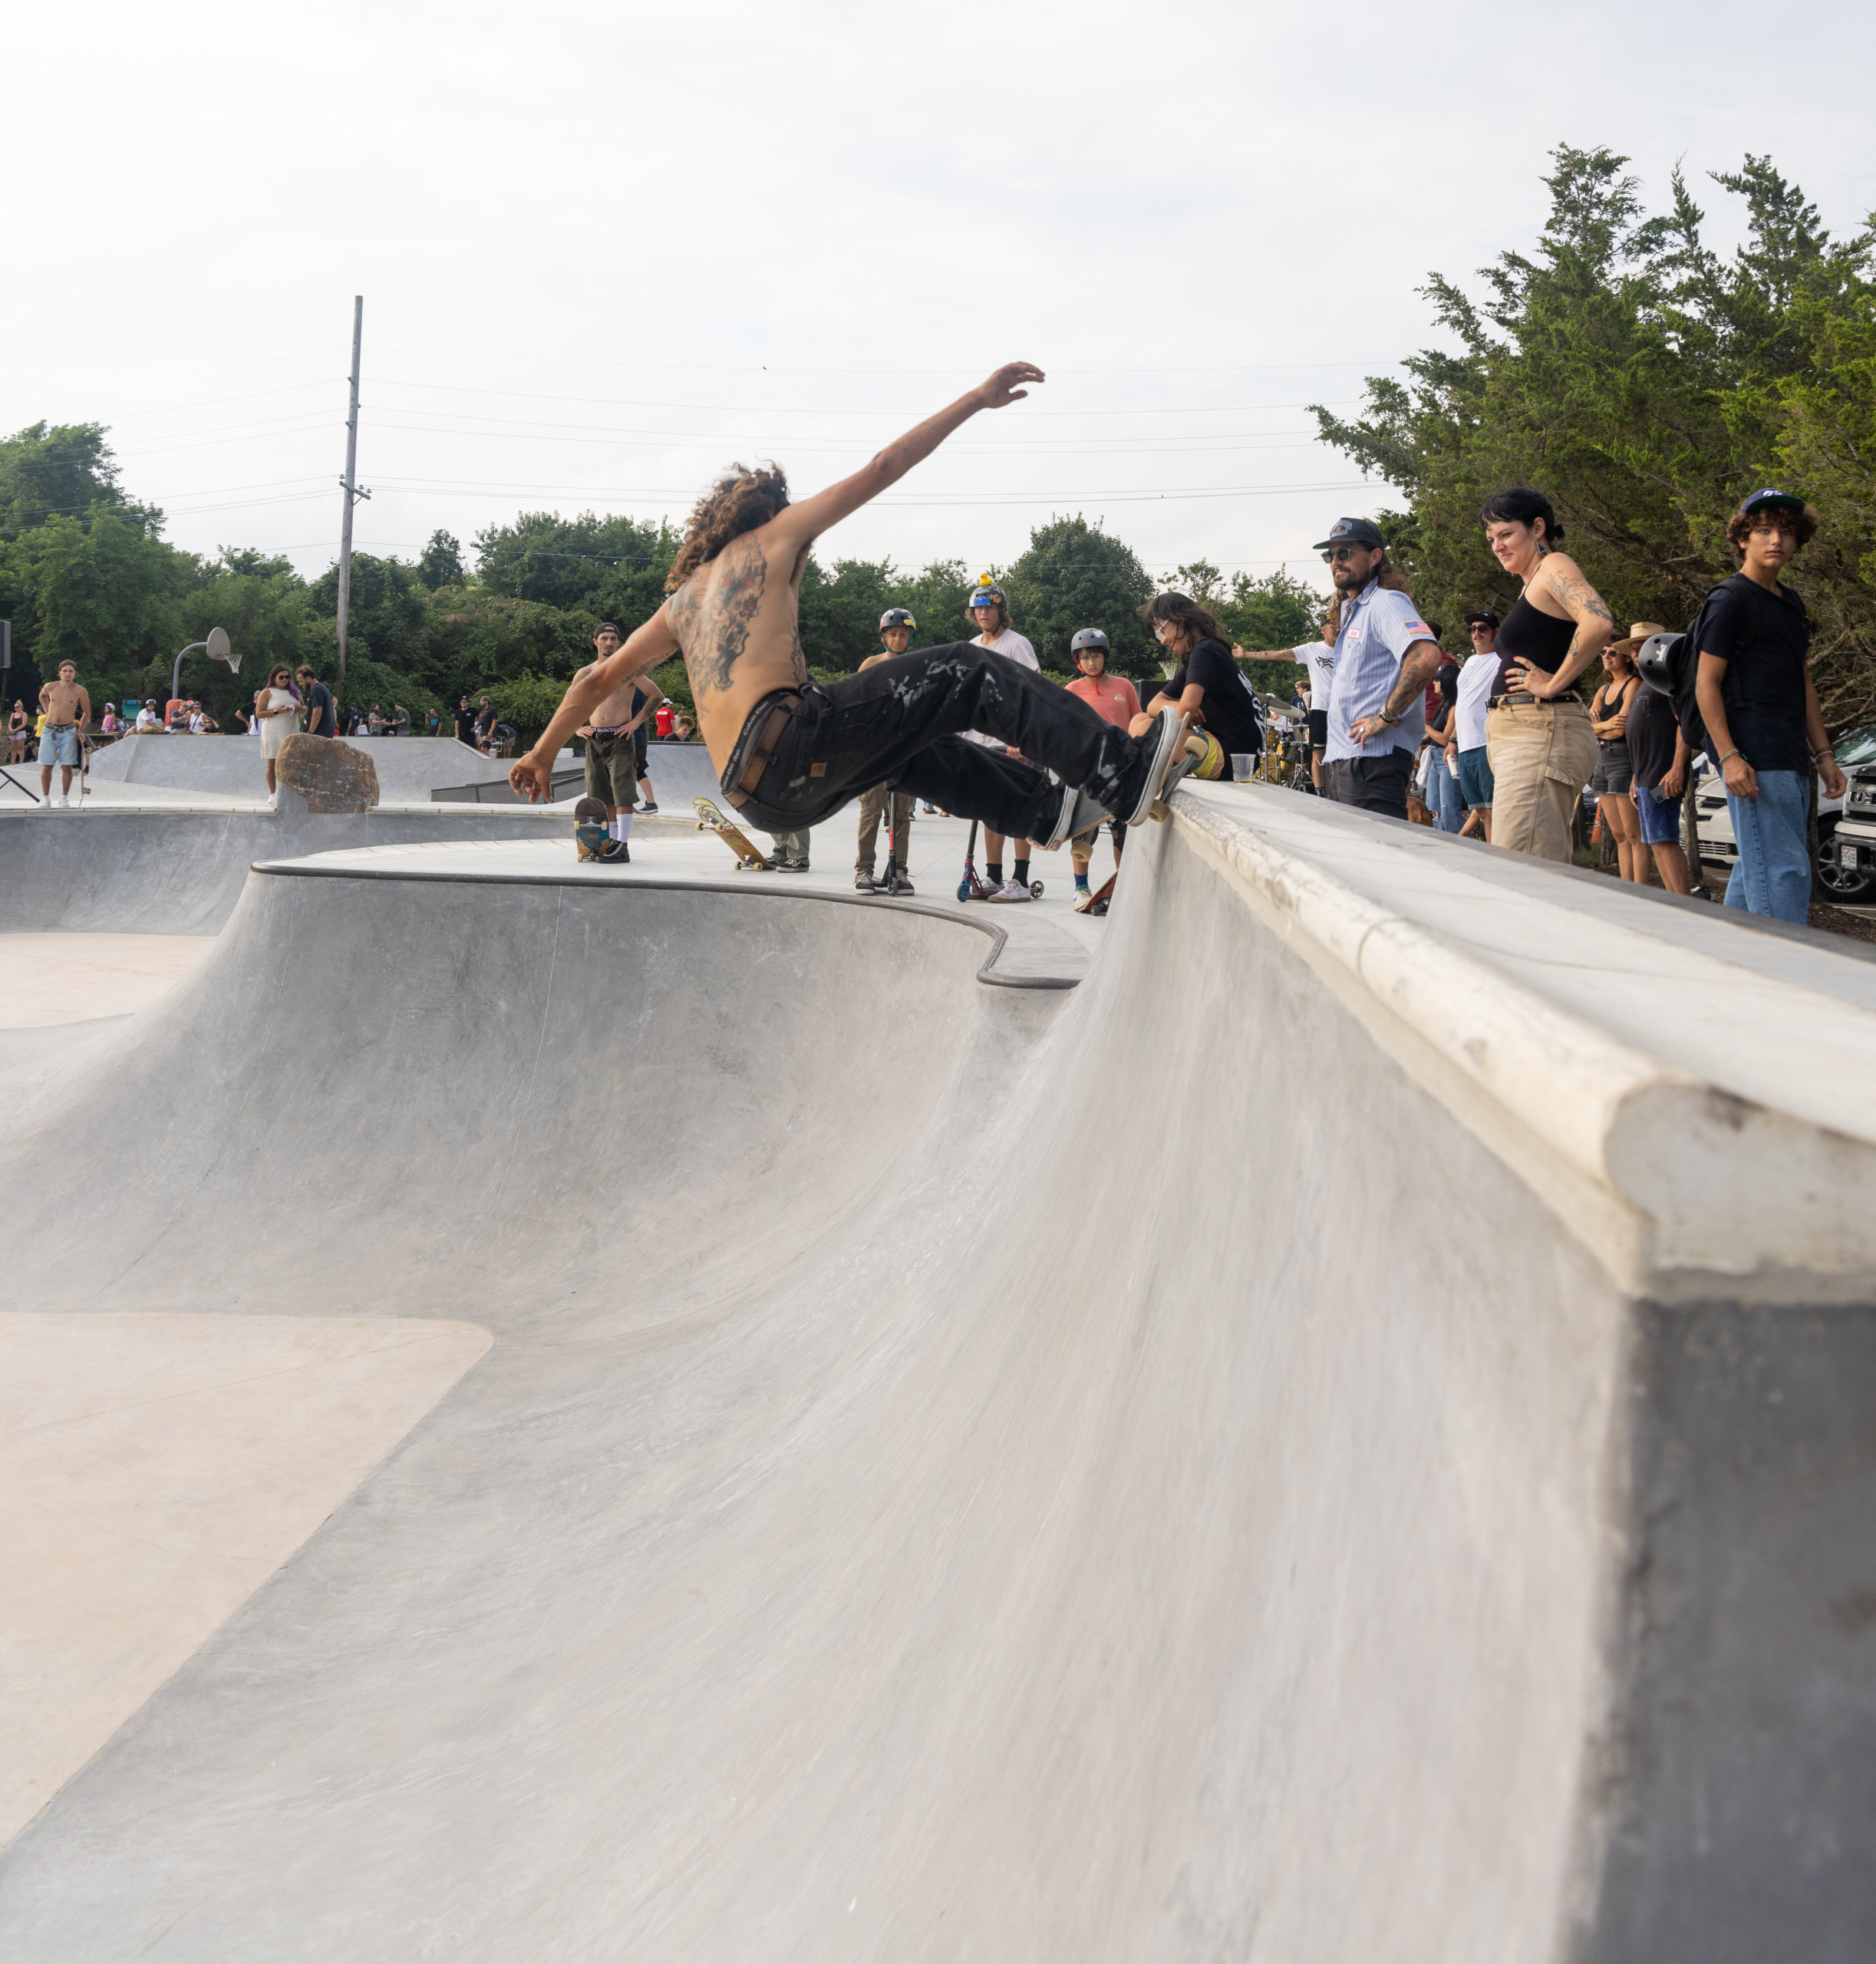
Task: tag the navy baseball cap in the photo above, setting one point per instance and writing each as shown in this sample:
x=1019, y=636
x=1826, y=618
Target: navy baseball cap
x=1485, y=617
x=1352, y=532
x=1788, y=500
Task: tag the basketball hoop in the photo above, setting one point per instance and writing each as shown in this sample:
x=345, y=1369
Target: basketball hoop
x=216, y=647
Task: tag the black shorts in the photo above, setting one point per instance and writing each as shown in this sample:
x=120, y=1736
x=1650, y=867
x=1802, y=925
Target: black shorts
x=1319, y=729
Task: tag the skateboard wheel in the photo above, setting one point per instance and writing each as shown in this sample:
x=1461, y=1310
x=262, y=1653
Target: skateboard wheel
x=1159, y=809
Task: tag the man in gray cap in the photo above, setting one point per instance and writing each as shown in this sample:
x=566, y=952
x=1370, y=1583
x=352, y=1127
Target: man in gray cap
x=1385, y=656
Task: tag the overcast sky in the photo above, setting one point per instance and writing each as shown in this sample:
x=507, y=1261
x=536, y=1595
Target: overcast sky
x=605, y=249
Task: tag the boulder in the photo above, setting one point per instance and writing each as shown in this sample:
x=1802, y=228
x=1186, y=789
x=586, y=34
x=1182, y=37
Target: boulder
x=330, y=775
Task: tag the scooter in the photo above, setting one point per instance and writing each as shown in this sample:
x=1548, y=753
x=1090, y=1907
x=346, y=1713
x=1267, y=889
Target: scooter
x=971, y=887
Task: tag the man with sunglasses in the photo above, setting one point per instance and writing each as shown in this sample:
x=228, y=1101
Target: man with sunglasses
x=1385, y=655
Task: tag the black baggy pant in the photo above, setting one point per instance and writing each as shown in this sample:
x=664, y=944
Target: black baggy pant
x=899, y=723
x=1372, y=784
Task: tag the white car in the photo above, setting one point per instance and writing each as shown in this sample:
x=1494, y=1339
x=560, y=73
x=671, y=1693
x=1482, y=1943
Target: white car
x=1847, y=884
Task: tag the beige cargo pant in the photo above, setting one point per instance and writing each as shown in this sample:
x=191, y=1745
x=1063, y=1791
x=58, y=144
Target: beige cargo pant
x=1541, y=755
x=872, y=809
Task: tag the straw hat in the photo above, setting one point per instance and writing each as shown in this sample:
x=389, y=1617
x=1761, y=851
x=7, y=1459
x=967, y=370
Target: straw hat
x=1639, y=632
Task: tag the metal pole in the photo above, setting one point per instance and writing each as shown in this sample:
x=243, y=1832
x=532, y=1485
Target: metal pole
x=350, y=482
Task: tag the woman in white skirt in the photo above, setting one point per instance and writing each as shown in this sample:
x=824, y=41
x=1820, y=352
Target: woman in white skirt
x=277, y=710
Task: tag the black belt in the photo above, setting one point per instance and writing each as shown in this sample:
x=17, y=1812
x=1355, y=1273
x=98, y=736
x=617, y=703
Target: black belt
x=1519, y=697
x=756, y=758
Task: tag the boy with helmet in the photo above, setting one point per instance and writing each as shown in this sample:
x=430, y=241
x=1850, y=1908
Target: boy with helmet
x=1114, y=700
x=989, y=613
x=896, y=628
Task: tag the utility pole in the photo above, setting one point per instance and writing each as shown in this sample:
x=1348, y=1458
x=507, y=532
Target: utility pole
x=349, y=484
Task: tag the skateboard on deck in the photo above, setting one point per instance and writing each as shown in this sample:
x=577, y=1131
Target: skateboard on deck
x=748, y=860
x=1188, y=754
x=1096, y=902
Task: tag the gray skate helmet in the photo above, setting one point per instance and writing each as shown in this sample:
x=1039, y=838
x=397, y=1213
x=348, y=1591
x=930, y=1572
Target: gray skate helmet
x=1090, y=638
x=895, y=617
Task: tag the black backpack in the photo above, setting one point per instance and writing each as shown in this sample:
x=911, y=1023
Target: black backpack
x=1673, y=672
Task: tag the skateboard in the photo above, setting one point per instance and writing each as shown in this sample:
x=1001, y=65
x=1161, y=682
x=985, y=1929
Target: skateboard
x=1095, y=903
x=748, y=860
x=591, y=836
x=1188, y=755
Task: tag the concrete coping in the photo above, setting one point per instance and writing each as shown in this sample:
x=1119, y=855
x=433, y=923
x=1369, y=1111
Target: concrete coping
x=1692, y=1099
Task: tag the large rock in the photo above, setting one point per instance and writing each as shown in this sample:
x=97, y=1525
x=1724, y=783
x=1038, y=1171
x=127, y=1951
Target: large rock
x=331, y=775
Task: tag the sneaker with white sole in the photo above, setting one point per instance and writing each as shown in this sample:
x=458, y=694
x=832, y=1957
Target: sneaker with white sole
x=1165, y=744
x=1078, y=812
x=1012, y=889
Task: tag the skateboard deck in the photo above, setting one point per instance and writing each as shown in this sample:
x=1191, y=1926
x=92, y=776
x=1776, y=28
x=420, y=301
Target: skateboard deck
x=748, y=859
x=1096, y=902
x=1188, y=754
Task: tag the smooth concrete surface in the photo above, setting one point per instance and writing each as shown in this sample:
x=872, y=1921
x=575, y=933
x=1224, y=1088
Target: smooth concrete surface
x=1253, y=1455
x=406, y=766
x=48, y=979
x=157, y=1470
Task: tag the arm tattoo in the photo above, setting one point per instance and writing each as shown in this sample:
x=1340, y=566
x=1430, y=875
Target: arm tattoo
x=1416, y=670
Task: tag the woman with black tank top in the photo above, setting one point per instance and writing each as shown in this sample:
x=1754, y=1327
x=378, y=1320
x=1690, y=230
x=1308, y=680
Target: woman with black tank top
x=1539, y=740
x=1615, y=768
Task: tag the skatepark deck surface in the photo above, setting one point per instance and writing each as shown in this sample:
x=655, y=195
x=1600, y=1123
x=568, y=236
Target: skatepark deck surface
x=650, y=1414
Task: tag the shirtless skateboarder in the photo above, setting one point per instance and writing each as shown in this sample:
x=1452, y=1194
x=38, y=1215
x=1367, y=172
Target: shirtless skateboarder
x=67, y=716
x=789, y=751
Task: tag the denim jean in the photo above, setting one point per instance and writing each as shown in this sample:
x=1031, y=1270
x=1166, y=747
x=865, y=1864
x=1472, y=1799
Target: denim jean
x=900, y=722
x=1772, y=876
x=1442, y=794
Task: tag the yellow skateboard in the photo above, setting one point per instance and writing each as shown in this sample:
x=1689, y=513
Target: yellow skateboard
x=748, y=860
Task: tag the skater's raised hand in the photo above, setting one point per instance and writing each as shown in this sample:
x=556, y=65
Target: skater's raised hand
x=1001, y=390
x=531, y=777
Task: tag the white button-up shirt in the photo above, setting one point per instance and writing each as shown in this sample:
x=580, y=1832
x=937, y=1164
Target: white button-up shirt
x=1378, y=627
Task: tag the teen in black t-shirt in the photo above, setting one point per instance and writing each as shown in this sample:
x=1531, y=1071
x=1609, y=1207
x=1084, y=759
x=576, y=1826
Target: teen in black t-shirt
x=1763, y=635
x=1207, y=683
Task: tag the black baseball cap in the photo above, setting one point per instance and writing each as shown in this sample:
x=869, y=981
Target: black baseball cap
x=1788, y=500
x=1485, y=617
x=1352, y=532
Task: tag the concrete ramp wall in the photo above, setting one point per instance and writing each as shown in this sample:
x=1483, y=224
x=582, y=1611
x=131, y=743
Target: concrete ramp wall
x=1420, y=1530
x=231, y=766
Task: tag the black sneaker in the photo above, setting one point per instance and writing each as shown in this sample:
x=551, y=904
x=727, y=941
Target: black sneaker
x=863, y=882
x=791, y=865
x=648, y=811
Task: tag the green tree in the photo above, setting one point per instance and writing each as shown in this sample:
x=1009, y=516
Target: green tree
x=1075, y=576
x=609, y=567
x=441, y=562
x=102, y=593
x=390, y=619
x=55, y=470
x=840, y=615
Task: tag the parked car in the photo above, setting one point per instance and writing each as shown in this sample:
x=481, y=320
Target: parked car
x=1849, y=883
x=1853, y=842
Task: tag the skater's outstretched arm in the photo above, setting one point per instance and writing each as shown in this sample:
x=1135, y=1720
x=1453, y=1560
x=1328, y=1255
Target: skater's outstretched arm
x=532, y=776
x=803, y=522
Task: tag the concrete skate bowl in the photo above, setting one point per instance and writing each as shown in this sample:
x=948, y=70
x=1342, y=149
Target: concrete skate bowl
x=231, y=766
x=181, y=872
x=1264, y=1456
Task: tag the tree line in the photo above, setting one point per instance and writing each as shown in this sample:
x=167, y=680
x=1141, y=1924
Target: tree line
x=86, y=573
x=1647, y=383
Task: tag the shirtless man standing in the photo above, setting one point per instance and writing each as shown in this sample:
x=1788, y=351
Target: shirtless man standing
x=67, y=716
x=790, y=751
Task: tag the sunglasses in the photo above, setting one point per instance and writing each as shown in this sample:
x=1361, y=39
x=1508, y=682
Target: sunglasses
x=1479, y=627
x=1342, y=552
